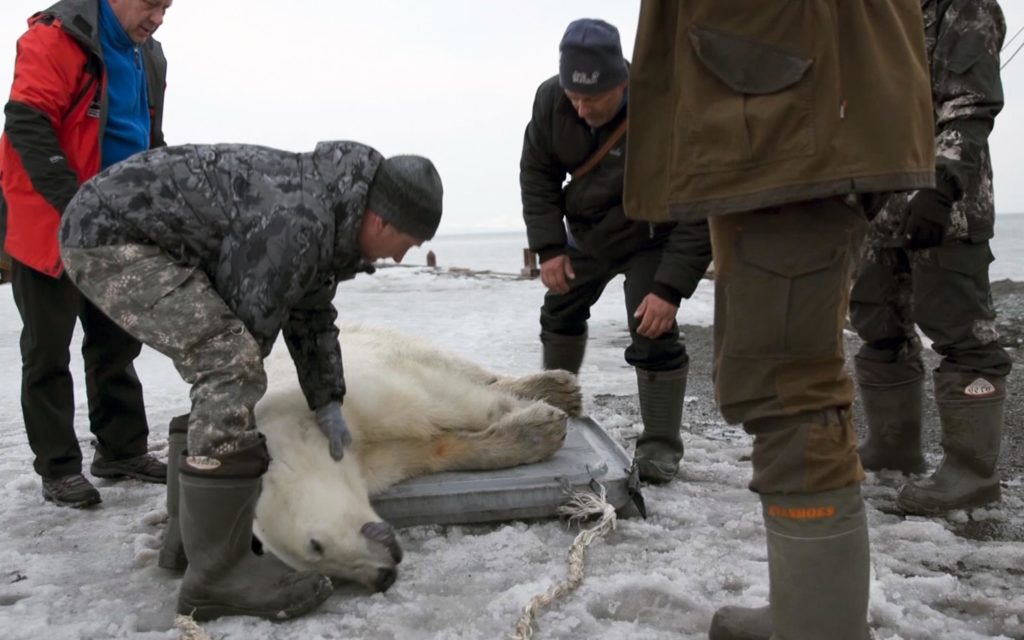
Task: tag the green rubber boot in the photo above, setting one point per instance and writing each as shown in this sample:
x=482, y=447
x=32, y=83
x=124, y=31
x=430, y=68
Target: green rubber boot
x=818, y=565
x=562, y=351
x=172, y=553
x=893, y=414
x=971, y=413
x=660, y=447
x=224, y=577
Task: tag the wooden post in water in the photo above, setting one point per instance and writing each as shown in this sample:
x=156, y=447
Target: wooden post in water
x=431, y=259
x=530, y=268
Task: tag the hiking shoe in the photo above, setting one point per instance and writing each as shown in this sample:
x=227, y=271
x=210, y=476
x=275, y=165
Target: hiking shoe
x=70, y=491
x=144, y=467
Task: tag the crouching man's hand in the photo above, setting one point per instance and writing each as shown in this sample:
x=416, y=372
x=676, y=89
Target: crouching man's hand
x=332, y=423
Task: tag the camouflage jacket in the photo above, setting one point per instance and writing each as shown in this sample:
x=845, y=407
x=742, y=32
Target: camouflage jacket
x=275, y=231
x=963, y=38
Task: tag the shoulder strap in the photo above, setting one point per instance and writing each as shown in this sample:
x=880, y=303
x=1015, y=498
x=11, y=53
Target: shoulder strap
x=599, y=155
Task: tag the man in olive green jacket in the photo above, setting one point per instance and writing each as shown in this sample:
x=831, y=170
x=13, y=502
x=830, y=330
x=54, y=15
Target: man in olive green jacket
x=781, y=121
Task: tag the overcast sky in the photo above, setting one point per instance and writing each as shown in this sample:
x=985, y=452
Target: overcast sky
x=452, y=79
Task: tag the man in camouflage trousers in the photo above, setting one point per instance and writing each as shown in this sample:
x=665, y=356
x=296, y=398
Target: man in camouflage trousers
x=206, y=253
x=926, y=263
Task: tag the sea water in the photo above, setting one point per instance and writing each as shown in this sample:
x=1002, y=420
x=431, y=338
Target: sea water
x=503, y=251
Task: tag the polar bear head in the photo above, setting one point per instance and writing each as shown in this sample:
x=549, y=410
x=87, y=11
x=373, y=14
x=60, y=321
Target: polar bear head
x=315, y=513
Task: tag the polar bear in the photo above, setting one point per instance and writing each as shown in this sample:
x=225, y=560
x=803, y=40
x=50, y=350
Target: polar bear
x=412, y=409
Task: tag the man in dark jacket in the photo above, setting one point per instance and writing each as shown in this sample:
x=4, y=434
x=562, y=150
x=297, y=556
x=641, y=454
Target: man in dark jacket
x=926, y=264
x=206, y=253
x=88, y=92
x=577, y=129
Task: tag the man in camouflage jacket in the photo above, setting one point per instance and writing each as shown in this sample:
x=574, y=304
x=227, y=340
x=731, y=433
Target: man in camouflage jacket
x=206, y=253
x=926, y=264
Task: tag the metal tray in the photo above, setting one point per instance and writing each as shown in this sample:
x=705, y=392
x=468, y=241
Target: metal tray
x=517, y=493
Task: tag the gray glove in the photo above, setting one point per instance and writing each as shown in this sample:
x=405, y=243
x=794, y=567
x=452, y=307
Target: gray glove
x=332, y=423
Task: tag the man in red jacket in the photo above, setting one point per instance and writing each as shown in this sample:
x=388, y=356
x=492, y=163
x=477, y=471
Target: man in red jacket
x=88, y=92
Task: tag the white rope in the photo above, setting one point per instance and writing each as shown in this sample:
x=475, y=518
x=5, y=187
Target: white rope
x=579, y=506
x=190, y=629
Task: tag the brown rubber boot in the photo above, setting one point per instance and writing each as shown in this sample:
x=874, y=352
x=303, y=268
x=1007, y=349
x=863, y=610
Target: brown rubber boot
x=660, y=447
x=224, y=577
x=971, y=413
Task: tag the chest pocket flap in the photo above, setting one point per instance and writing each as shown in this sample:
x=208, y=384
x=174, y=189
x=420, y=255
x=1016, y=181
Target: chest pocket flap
x=746, y=66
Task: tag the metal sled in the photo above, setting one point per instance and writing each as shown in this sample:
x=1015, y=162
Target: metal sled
x=529, y=491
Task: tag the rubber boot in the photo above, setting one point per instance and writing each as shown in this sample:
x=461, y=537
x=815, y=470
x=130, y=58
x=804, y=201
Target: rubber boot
x=818, y=568
x=172, y=553
x=660, y=447
x=224, y=577
x=562, y=351
x=741, y=623
x=971, y=414
x=893, y=414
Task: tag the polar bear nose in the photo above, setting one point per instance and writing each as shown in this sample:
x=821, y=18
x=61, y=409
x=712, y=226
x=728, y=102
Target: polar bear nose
x=385, y=578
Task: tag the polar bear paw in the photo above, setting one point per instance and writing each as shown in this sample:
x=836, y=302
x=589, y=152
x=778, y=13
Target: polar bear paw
x=531, y=434
x=558, y=388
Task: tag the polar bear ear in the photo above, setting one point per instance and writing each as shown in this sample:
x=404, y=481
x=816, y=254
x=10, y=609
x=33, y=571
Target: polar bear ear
x=316, y=548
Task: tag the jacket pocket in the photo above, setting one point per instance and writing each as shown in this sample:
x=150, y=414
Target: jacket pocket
x=795, y=293
x=750, y=103
x=967, y=50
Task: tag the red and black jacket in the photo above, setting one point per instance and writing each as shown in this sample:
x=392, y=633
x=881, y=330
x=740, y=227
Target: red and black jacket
x=54, y=125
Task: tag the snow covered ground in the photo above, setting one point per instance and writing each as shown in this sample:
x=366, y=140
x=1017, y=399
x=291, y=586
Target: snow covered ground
x=68, y=574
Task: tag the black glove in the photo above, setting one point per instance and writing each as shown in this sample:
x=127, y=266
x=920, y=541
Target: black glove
x=332, y=423
x=929, y=217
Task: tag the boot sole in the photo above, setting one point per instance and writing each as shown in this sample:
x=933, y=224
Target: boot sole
x=980, y=498
x=121, y=475
x=206, y=611
x=911, y=469
x=77, y=504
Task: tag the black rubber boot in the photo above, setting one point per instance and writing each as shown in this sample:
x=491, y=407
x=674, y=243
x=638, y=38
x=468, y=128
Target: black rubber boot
x=893, y=414
x=172, y=553
x=660, y=447
x=562, y=351
x=818, y=564
x=971, y=413
x=224, y=577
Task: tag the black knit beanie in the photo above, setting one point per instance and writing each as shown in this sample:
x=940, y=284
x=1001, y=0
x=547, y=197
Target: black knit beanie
x=591, y=57
x=406, y=192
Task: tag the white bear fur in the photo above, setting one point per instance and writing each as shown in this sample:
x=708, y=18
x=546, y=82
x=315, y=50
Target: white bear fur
x=412, y=409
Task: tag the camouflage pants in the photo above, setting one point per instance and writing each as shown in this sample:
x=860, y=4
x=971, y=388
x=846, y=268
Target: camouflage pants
x=781, y=292
x=176, y=311
x=945, y=291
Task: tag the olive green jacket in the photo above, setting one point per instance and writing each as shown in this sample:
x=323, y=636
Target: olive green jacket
x=740, y=105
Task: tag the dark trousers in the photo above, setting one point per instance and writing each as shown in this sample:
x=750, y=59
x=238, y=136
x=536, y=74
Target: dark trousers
x=945, y=291
x=49, y=309
x=567, y=314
